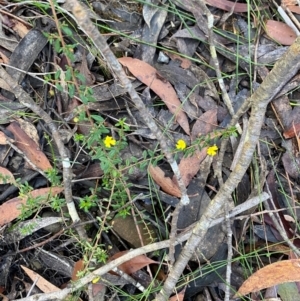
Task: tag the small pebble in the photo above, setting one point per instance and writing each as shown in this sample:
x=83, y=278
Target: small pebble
x=162, y=58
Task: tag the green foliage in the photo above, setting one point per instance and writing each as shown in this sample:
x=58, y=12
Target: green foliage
x=100, y=254
x=5, y=179
x=210, y=139
x=25, y=189
x=87, y=202
x=53, y=177
x=57, y=203
x=104, y=144
x=28, y=228
x=92, y=252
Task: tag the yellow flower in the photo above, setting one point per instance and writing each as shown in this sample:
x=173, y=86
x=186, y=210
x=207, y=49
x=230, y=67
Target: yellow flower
x=109, y=141
x=181, y=144
x=95, y=280
x=212, y=150
x=76, y=119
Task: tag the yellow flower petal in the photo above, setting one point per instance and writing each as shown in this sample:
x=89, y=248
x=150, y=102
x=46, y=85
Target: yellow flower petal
x=95, y=280
x=109, y=141
x=181, y=144
x=212, y=150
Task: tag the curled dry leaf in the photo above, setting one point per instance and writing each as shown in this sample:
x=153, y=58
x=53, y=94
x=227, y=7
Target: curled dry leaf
x=166, y=183
x=150, y=77
x=15, y=234
x=280, y=32
x=271, y=275
x=11, y=209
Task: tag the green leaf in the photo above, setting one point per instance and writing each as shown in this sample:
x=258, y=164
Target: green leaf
x=57, y=74
x=131, y=170
x=145, y=154
x=71, y=90
x=134, y=159
x=68, y=74
x=150, y=153
x=59, y=87
x=67, y=31
x=82, y=78
x=98, y=118
x=57, y=46
x=84, y=99
x=144, y=165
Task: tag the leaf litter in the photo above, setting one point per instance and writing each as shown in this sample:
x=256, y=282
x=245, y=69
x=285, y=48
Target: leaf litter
x=165, y=52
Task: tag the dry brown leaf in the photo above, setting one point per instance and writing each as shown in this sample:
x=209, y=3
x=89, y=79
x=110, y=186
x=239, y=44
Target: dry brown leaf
x=166, y=183
x=185, y=63
x=4, y=85
x=189, y=166
x=288, y=2
x=135, y=264
x=179, y=296
x=3, y=138
x=4, y=58
x=44, y=285
x=78, y=267
x=292, y=131
x=97, y=288
x=29, y=147
x=11, y=209
x=293, y=8
x=280, y=32
x=271, y=275
x=85, y=71
x=20, y=28
x=6, y=176
x=150, y=77
x=29, y=129
x=205, y=124
x=227, y=5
